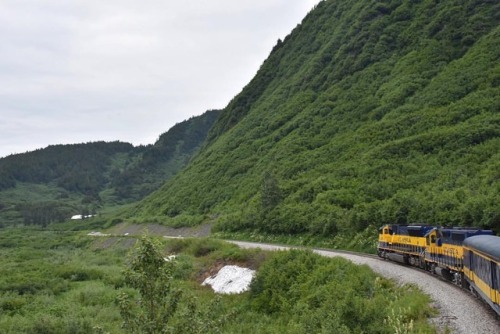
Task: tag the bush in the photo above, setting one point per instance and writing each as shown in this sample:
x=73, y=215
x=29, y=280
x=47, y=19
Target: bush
x=80, y=274
x=203, y=247
x=318, y=294
x=11, y=302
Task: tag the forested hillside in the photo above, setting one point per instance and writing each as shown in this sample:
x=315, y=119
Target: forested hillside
x=54, y=183
x=78, y=167
x=369, y=112
x=159, y=162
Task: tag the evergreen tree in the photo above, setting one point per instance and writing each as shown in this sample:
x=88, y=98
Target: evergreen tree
x=151, y=275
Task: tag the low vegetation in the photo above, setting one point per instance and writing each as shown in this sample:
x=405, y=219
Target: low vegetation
x=300, y=292
x=52, y=282
x=68, y=282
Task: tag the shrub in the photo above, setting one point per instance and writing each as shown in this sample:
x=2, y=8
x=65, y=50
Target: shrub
x=80, y=274
x=203, y=247
x=318, y=294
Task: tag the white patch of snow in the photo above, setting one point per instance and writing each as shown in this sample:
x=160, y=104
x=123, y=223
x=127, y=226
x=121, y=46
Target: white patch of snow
x=170, y=258
x=231, y=279
x=98, y=234
x=82, y=217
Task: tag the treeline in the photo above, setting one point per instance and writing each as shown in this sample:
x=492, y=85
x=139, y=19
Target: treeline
x=44, y=213
x=78, y=168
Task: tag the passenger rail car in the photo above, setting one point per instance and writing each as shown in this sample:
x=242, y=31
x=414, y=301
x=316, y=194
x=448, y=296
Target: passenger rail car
x=482, y=268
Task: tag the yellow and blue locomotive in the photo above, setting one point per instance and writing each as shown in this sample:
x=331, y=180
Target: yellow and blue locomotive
x=403, y=243
x=469, y=257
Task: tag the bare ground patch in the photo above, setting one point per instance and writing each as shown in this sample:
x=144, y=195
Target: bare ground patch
x=160, y=230
x=115, y=242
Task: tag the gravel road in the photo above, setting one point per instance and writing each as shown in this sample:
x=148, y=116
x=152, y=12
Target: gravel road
x=459, y=310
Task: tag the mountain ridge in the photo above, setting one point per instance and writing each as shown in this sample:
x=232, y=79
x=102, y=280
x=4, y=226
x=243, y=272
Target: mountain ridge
x=56, y=182
x=369, y=112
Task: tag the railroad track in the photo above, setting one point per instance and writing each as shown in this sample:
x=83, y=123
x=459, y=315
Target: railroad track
x=459, y=311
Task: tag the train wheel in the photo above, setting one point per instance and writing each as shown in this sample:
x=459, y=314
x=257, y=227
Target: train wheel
x=457, y=279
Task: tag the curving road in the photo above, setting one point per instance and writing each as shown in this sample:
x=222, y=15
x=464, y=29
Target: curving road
x=459, y=310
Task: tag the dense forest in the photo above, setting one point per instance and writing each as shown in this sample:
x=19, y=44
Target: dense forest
x=369, y=112
x=54, y=183
x=159, y=162
x=78, y=167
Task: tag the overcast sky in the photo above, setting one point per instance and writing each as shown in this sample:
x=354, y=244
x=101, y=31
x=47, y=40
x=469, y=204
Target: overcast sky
x=74, y=71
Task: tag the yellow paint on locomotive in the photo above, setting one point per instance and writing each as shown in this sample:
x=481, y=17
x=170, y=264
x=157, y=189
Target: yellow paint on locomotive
x=446, y=256
x=384, y=236
x=387, y=237
x=402, y=244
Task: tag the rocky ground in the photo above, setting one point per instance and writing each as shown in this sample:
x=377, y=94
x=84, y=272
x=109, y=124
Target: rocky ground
x=122, y=235
x=155, y=229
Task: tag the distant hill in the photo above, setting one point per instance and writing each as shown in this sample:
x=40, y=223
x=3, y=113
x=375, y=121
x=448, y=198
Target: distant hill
x=369, y=112
x=53, y=183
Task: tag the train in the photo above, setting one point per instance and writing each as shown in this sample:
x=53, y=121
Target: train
x=468, y=257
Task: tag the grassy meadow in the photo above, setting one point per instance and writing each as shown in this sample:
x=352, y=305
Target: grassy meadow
x=56, y=281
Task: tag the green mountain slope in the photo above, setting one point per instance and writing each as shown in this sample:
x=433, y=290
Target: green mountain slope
x=54, y=183
x=369, y=112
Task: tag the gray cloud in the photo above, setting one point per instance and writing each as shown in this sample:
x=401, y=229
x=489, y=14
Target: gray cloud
x=86, y=70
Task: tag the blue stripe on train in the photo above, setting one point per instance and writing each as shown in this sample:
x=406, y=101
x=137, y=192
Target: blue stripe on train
x=444, y=259
x=402, y=247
